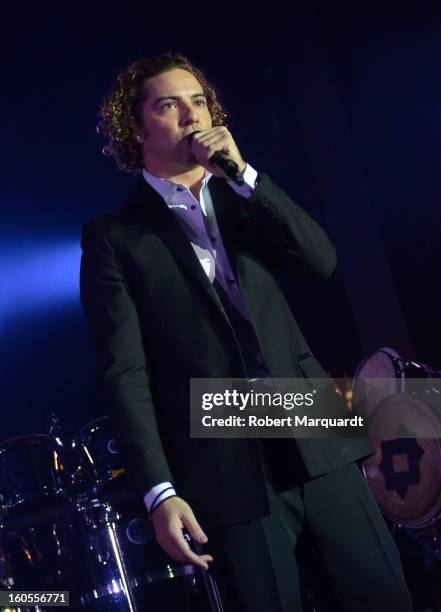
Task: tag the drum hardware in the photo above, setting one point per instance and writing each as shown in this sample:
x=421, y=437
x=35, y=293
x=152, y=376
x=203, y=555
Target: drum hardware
x=139, y=532
x=430, y=545
x=210, y=584
x=428, y=585
x=99, y=520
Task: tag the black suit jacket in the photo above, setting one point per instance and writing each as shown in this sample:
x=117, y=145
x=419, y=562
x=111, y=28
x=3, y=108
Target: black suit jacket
x=156, y=321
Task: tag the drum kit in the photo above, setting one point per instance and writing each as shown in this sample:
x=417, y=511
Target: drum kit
x=69, y=523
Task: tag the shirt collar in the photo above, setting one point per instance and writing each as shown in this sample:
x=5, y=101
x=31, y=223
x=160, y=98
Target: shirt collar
x=167, y=188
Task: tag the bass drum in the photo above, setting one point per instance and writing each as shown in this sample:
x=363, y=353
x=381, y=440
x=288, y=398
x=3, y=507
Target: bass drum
x=117, y=560
x=404, y=474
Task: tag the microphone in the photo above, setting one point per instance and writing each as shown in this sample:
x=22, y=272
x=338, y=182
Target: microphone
x=226, y=164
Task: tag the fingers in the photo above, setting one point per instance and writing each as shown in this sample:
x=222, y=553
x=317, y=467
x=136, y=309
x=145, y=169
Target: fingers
x=209, y=137
x=205, y=144
x=201, y=136
x=195, y=530
x=177, y=547
x=169, y=521
x=188, y=554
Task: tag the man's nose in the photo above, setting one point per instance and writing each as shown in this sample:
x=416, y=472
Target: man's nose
x=189, y=115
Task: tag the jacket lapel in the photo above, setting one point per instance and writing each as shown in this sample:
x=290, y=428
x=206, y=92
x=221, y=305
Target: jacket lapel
x=155, y=216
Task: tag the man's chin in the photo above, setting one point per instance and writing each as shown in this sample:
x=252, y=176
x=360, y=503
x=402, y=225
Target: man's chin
x=188, y=161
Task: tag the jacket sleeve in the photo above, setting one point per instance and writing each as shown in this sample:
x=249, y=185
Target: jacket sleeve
x=122, y=360
x=297, y=241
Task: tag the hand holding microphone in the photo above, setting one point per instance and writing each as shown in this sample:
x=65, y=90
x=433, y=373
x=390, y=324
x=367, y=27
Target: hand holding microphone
x=216, y=147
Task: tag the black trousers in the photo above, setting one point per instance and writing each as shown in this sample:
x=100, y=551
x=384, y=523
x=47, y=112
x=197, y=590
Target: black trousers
x=256, y=567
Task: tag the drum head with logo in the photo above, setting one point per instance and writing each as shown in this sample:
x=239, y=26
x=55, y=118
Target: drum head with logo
x=405, y=472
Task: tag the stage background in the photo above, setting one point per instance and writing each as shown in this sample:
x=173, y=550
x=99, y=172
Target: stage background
x=339, y=104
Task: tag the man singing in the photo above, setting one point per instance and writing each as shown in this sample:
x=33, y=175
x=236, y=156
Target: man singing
x=180, y=282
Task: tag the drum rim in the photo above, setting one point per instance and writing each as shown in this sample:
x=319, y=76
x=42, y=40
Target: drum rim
x=80, y=445
x=88, y=425
x=30, y=439
x=167, y=573
x=386, y=350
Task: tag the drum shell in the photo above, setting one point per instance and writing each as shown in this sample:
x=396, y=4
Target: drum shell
x=385, y=364
x=33, y=473
x=35, y=552
x=117, y=541
x=117, y=560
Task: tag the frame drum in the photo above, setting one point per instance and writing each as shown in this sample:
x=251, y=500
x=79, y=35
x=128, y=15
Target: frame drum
x=404, y=474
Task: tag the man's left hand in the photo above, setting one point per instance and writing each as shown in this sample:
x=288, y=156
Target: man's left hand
x=204, y=144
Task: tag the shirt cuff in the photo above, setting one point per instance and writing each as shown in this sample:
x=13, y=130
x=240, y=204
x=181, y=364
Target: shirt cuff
x=249, y=177
x=158, y=493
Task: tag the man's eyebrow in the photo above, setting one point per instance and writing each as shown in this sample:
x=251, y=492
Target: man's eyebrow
x=197, y=95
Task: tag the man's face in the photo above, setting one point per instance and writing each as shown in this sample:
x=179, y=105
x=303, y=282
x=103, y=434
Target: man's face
x=174, y=107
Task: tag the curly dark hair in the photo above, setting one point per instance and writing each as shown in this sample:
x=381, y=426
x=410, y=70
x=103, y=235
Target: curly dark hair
x=120, y=119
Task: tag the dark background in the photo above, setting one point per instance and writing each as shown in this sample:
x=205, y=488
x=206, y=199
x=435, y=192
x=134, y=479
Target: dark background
x=339, y=104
